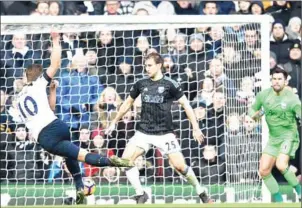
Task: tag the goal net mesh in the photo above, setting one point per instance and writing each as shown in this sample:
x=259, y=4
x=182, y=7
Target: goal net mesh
x=217, y=66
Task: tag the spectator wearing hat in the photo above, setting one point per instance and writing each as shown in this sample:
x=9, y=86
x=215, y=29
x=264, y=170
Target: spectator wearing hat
x=256, y=8
x=279, y=42
x=143, y=8
x=293, y=68
x=293, y=30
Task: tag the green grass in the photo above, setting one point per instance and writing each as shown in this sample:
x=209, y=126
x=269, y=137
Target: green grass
x=226, y=205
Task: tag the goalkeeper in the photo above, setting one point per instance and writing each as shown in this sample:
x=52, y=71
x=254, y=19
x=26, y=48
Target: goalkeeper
x=281, y=108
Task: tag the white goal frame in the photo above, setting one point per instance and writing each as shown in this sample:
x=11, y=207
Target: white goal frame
x=160, y=21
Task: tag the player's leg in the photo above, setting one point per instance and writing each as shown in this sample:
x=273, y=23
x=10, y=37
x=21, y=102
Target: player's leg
x=168, y=145
x=267, y=162
x=177, y=161
x=287, y=150
x=56, y=140
x=136, y=147
x=74, y=169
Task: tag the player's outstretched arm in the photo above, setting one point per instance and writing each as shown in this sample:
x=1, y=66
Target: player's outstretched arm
x=122, y=111
x=52, y=94
x=55, y=59
x=255, y=111
x=197, y=134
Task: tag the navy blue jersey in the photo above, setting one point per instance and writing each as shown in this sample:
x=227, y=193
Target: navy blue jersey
x=157, y=98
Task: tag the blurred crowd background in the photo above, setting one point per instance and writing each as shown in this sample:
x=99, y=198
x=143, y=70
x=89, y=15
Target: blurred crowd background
x=219, y=69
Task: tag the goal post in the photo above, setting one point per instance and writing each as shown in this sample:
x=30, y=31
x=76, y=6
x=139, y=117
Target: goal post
x=163, y=188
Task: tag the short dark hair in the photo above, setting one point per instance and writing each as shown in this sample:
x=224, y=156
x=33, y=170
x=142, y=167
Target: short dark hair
x=209, y=2
x=279, y=69
x=33, y=72
x=156, y=57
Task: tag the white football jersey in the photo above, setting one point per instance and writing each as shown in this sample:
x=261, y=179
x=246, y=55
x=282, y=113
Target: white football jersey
x=33, y=106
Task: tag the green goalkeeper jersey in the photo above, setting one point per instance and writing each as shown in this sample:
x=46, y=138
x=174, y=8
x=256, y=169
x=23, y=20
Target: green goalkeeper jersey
x=281, y=112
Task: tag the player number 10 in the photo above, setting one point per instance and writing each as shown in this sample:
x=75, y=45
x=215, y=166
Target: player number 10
x=26, y=108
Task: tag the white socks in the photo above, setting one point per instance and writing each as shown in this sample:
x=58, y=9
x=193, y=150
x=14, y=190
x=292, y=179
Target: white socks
x=133, y=176
x=191, y=178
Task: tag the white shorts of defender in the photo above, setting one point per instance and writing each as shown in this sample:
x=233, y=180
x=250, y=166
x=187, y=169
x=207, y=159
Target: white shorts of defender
x=166, y=143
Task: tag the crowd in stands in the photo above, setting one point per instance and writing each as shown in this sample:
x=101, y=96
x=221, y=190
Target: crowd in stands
x=219, y=68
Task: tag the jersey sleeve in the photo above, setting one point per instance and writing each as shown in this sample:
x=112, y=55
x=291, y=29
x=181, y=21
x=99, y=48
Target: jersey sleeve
x=43, y=80
x=134, y=91
x=256, y=105
x=175, y=90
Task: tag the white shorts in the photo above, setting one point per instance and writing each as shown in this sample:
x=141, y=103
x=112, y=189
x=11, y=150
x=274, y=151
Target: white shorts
x=166, y=143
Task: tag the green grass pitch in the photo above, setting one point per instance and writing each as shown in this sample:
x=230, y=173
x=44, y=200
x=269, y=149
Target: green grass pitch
x=226, y=205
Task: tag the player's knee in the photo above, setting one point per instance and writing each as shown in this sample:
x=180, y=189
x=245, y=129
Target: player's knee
x=180, y=167
x=264, y=171
x=281, y=165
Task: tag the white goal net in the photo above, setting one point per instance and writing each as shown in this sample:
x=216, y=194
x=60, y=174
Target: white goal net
x=221, y=62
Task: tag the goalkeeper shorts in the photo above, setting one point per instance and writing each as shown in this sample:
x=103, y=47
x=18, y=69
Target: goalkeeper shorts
x=287, y=147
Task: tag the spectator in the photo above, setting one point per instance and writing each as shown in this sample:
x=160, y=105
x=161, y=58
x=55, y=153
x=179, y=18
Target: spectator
x=18, y=7
x=256, y=8
x=54, y=8
x=220, y=78
x=77, y=94
x=293, y=30
x=280, y=10
x=91, y=57
x=165, y=8
x=5, y=119
x=208, y=8
x=107, y=106
x=84, y=137
x=273, y=60
x=279, y=42
x=206, y=93
x=213, y=41
x=172, y=70
x=15, y=59
x=295, y=8
x=210, y=169
x=141, y=48
x=196, y=66
x=244, y=7
x=42, y=8
x=124, y=78
x=24, y=158
x=144, y=8
x=294, y=69
x=190, y=148
x=214, y=122
x=184, y=8
x=106, y=53
x=113, y=8
x=180, y=50
x=71, y=44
